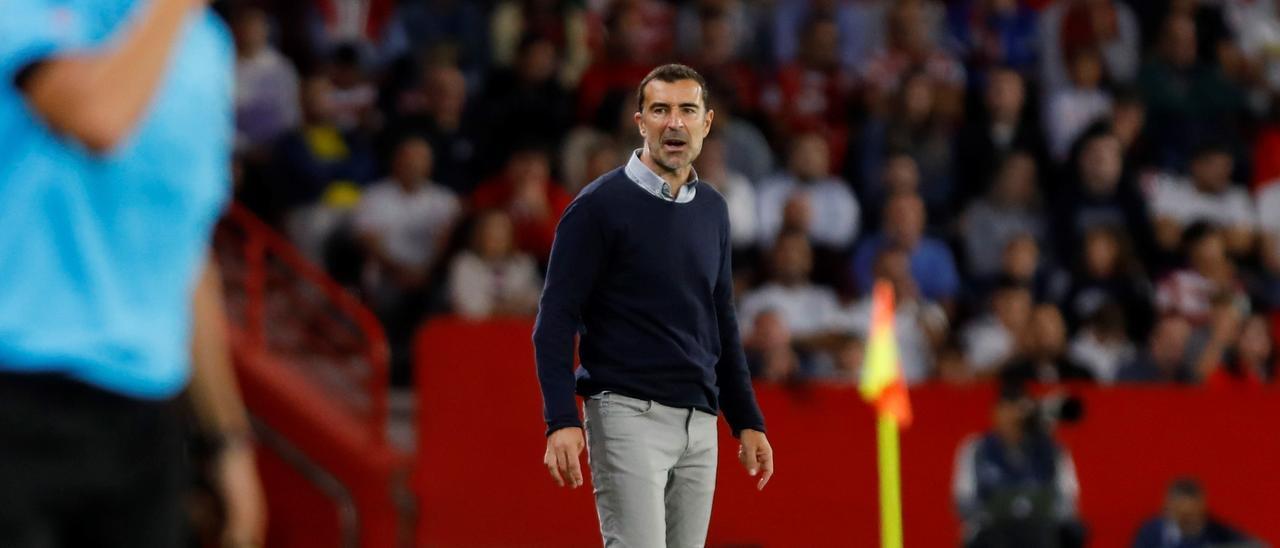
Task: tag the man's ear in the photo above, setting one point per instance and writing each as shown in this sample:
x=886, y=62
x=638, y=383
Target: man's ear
x=638, y=117
x=711, y=114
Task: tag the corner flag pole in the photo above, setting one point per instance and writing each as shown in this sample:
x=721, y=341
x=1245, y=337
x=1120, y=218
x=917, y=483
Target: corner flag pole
x=890, y=481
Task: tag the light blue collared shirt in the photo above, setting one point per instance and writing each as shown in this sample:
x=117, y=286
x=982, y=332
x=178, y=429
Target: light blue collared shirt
x=655, y=185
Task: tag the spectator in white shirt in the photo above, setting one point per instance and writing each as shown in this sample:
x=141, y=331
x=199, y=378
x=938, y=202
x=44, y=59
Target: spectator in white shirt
x=1207, y=196
x=402, y=222
x=1208, y=278
x=1268, y=200
x=1072, y=109
x=805, y=307
x=491, y=277
x=738, y=191
x=808, y=198
x=1011, y=209
x=266, y=84
x=992, y=341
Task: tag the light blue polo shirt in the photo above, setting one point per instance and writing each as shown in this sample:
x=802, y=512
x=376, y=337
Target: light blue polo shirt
x=99, y=254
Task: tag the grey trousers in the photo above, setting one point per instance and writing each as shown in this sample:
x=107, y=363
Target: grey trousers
x=653, y=468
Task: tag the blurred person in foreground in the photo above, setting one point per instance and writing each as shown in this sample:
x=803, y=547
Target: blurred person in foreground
x=641, y=269
x=118, y=122
x=1015, y=485
x=1186, y=523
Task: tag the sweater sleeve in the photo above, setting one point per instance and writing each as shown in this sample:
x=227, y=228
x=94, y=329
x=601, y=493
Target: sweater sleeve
x=737, y=398
x=576, y=256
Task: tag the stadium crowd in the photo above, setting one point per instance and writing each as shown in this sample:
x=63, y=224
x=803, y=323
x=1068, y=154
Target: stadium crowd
x=1057, y=190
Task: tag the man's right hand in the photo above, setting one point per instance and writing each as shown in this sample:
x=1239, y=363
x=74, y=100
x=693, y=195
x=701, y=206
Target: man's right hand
x=563, y=447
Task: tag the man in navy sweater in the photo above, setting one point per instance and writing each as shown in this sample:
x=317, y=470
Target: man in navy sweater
x=640, y=270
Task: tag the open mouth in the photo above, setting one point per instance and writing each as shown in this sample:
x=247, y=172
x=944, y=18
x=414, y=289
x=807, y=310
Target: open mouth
x=674, y=145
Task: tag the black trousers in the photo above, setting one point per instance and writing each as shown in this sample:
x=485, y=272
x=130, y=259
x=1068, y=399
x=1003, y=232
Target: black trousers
x=81, y=466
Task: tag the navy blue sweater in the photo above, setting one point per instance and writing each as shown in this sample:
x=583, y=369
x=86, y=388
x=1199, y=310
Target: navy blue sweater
x=647, y=285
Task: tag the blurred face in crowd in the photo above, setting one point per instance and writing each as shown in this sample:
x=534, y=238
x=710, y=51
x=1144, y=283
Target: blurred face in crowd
x=674, y=121
x=1168, y=343
x=412, y=164
x=1180, y=40
x=820, y=44
x=1021, y=257
x=446, y=93
x=907, y=30
x=600, y=160
x=1050, y=331
x=537, y=62
x=1101, y=164
x=710, y=164
x=251, y=32
x=792, y=259
x=1006, y=94
x=1008, y=418
x=810, y=157
x=1211, y=171
x=770, y=332
x=1012, y=307
x=717, y=39
x=317, y=104
x=1101, y=253
x=1086, y=69
x=1016, y=181
x=1189, y=512
x=1209, y=254
x=493, y=239
x=1254, y=346
x=917, y=97
x=529, y=167
x=904, y=220
x=630, y=32
x=1127, y=120
x=901, y=174
x=894, y=265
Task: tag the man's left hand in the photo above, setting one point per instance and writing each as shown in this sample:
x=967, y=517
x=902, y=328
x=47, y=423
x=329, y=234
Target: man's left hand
x=756, y=455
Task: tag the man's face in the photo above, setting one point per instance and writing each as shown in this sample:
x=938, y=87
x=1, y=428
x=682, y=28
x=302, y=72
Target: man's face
x=810, y=157
x=413, y=161
x=1188, y=512
x=673, y=122
x=1211, y=172
x=904, y=215
x=1101, y=164
x=792, y=259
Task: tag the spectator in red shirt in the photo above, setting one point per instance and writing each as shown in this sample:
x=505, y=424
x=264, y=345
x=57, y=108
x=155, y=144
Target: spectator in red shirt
x=1251, y=363
x=527, y=193
x=809, y=94
x=635, y=31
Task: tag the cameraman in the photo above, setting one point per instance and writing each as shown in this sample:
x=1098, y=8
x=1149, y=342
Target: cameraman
x=1015, y=486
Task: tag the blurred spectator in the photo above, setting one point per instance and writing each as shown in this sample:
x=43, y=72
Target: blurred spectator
x=491, y=278
x=527, y=193
x=746, y=150
x=1024, y=263
x=810, y=94
x=717, y=56
x=1165, y=358
x=993, y=340
x=1252, y=359
x=634, y=45
x=1012, y=208
x=266, y=85
x=899, y=173
x=1268, y=200
x=526, y=100
x=919, y=325
x=457, y=26
x=1101, y=345
x=1016, y=485
x=910, y=47
x=1207, y=278
x=1045, y=359
x=769, y=352
x=917, y=126
x=435, y=111
x=807, y=198
x=1002, y=126
x=932, y=265
x=1108, y=280
x=739, y=193
x=1129, y=123
x=1187, y=101
x=1096, y=192
x=859, y=24
x=354, y=97
x=319, y=161
x=403, y=223
x=1209, y=196
x=807, y=309
x=1186, y=523
x=1106, y=26
x=1072, y=108
x=993, y=33
x=734, y=20
x=1256, y=28
x=565, y=23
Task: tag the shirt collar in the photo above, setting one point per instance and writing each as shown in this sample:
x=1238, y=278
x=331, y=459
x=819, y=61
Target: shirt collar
x=655, y=185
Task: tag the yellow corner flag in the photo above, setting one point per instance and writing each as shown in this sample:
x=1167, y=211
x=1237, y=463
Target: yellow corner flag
x=882, y=385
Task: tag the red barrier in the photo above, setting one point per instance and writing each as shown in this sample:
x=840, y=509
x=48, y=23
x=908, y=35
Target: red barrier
x=480, y=479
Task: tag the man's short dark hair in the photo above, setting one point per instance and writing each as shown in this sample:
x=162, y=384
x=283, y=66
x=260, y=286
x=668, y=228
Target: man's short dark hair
x=671, y=73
